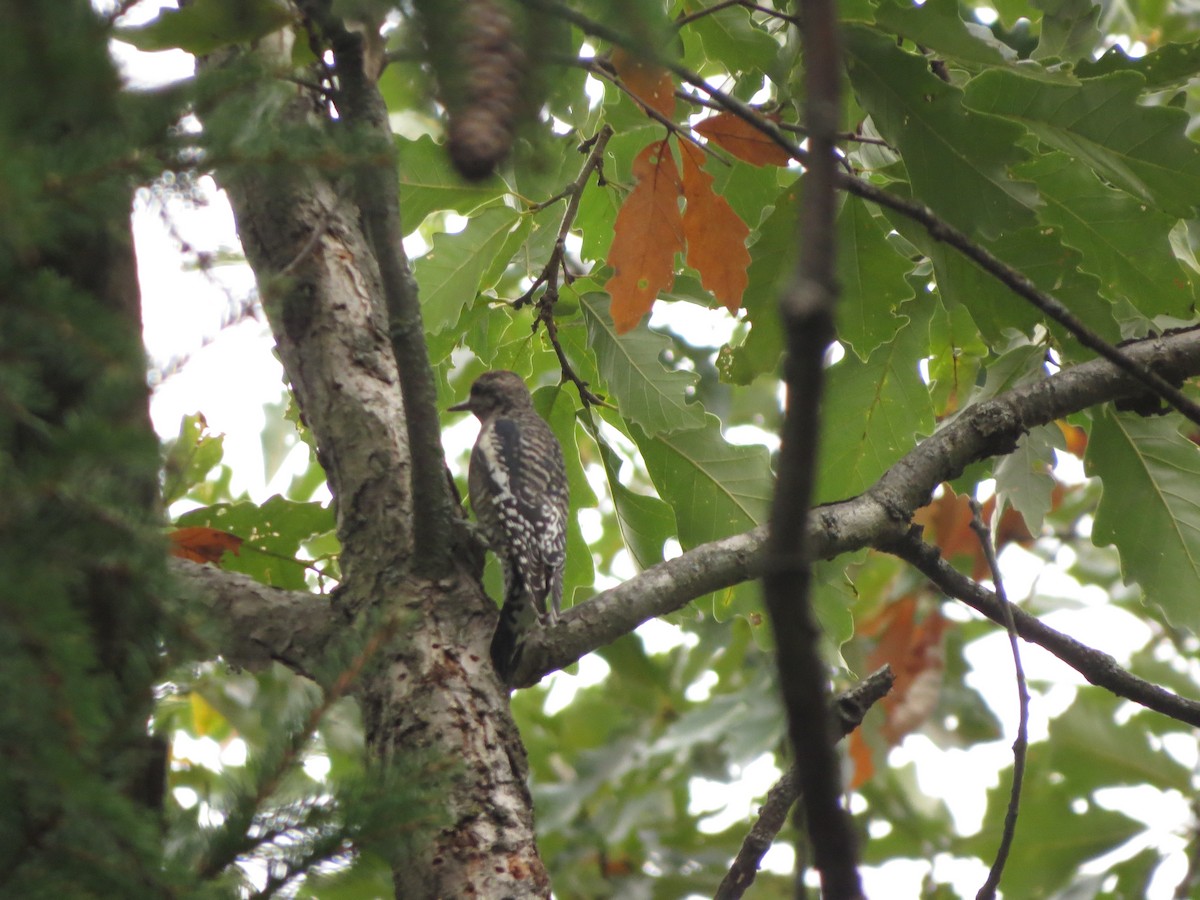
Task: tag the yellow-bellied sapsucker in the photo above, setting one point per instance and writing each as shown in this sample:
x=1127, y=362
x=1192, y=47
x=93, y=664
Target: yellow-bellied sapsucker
x=518, y=489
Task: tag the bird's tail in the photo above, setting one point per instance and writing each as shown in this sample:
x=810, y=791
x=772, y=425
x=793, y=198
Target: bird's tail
x=518, y=617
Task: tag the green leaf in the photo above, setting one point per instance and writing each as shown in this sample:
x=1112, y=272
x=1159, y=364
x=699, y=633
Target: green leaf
x=957, y=352
x=874, y=410
x=452, y=273
x=716, y=488
x=598, y=205
x=1021, y=362
x=957, y=159
x=1023, y=478
x=646, y=522
x=938, y=26
x=833, y=598
x=207, y=25
x=428, y=182
x=190, y=457
x=1040, y=255
x=1091, y=753
x=771, y=261
x=871, y=275
x=1166, y=66
x=750, y=190
x=272, y=532
x=731, y=34
x=649, y=394
x=1147, y=466
x=1124, y=243
x=1058, y=832
x=1068, y=29
x=1100, y=123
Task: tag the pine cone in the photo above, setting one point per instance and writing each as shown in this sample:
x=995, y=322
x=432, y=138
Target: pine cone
x=483, y=121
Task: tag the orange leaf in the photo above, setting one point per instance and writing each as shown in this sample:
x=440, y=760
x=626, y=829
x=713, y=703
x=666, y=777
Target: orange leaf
x=651, y=84
x=949, y=517
x=914, y=651
x=860, y=758
x=1076, y=437
x=201, y=544
x=743, y=140
x=919, y=672
x=716, y=235
x=646, y=236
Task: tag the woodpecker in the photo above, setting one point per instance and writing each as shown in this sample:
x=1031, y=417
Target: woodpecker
x=518, y=488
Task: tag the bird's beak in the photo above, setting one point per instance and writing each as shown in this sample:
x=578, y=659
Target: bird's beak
x=465, y=406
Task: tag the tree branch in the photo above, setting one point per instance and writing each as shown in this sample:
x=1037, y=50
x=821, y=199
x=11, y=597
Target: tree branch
x=257, y=624
x=938, y=229
x=848, y=710
x=1097, y=667
x=873, y=518
x=807, y=310
x=329, y=322
x=377, y=194
x=557, y=262
x=1021, y=744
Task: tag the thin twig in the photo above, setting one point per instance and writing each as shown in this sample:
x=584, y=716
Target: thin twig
x=806, y=307
x=238, y=311
x=745, y=4
x=844, y=136
x=326, y=92
x=773, y=13
x=1096, y=666
x=1021, y=743
x=119, y=11
x=557, y=262
x=848, y=711
x=793, y=127
x=376, y=191
x=599, y=68
x=938, y=229
x=546, y=315
x=705, y=11
x=223, y=854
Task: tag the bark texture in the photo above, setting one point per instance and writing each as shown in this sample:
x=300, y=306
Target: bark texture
x=434, y=694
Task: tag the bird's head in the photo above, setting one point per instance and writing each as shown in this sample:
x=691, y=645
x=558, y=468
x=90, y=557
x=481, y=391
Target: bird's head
x=495, y=392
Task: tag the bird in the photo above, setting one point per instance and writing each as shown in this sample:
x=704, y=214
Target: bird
x=517, y=484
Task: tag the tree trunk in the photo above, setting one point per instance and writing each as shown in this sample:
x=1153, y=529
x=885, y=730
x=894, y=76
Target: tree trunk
x=430, y=691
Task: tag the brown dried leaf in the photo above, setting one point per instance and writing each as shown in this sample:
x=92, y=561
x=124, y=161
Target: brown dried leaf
x=1076, y=437
x=743, y=140
x=716, y=235
x=914, y=651
x=646, y=236
x=651, y=84
x=202, y=544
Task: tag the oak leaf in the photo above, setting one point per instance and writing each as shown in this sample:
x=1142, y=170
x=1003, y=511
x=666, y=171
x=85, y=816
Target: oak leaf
x=949, y=519
x=743, y=140
x=651, y=84
x=202, y=544
x=1076, y=437
x=646, y=236
x=914, y=651
x=715, y=234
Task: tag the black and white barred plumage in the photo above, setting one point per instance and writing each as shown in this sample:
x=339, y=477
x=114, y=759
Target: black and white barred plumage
x=518, y=489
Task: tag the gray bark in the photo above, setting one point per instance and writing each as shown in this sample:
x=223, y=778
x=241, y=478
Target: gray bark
x=431, y=691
